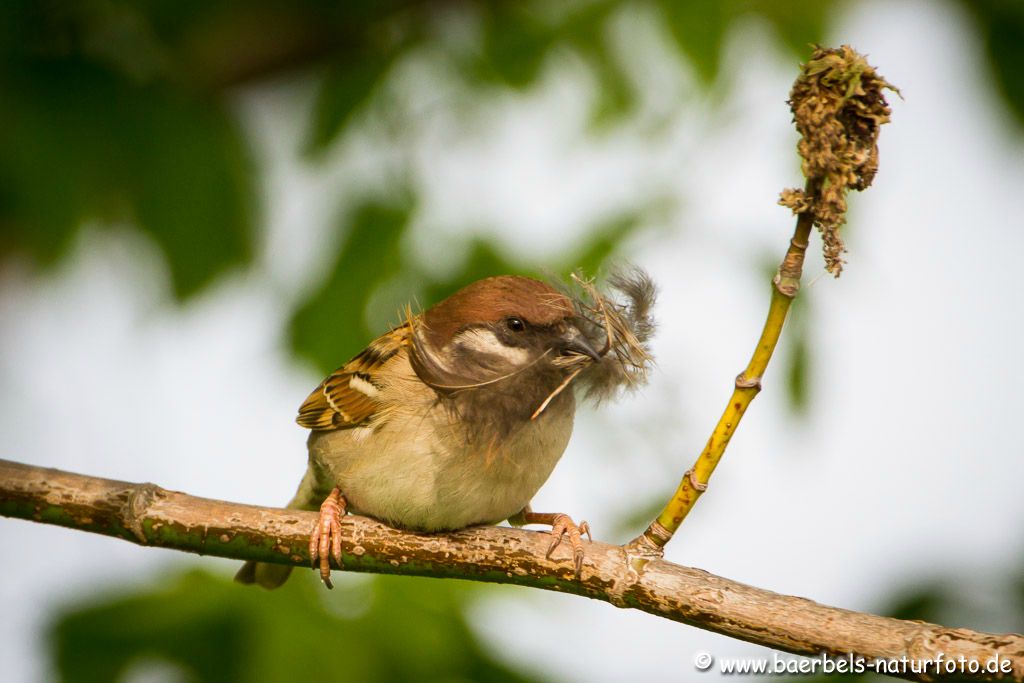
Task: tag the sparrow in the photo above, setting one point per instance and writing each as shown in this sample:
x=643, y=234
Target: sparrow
x=458, y=416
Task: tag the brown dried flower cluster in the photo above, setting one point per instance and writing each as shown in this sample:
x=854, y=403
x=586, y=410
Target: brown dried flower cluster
x=838, y=108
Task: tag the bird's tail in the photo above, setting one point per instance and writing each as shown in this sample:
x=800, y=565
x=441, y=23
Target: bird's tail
x=265, y=574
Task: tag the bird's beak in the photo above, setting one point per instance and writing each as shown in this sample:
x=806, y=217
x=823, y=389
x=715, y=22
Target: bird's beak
x=573, y=341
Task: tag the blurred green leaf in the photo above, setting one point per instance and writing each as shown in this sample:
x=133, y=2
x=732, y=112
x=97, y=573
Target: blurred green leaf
x=798, y=23
x=1017, y=588
x=331, y=326
x=1002, y=28
x=515, y=43
x=797, y=370
x=587, y=32
x=603, y=240
x=191, y=187
x=615, y=98
x=926, y=601
x=81, y=141
x=794, y=356
x=700, y=26
x=346, y=87
x=484, y=260
x=798, y=356
x=382, y=629
x=631, y=522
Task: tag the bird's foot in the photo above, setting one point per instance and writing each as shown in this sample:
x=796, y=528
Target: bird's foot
x=561, y=525
x=325, y=540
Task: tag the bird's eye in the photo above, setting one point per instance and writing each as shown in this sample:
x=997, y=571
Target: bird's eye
x=515, y=324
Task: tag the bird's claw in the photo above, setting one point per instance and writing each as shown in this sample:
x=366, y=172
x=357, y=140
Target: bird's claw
x=560, y=526
x=325, y=539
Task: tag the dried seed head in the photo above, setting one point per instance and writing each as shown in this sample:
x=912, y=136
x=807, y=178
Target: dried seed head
x=838, y=108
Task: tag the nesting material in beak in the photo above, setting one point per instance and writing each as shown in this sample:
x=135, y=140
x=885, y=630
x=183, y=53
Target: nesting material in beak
x=618, y=323
x=611, y=350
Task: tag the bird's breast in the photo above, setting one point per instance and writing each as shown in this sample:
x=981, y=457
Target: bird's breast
x=423, y=468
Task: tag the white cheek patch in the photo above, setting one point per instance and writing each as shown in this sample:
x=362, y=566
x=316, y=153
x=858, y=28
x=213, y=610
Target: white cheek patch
x=482, y=340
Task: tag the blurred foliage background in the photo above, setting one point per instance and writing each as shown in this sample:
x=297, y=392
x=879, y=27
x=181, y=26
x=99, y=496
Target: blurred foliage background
x=120, y=113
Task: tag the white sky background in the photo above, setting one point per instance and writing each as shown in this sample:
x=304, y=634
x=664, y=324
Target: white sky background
x=907, y=468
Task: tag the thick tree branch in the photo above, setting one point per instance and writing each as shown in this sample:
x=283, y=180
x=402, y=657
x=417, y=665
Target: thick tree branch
x=149, y=515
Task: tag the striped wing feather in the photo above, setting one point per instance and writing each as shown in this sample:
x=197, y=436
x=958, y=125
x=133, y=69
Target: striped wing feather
x=348, y=397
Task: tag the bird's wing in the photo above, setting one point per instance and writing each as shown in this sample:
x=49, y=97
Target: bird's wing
x=349, y=395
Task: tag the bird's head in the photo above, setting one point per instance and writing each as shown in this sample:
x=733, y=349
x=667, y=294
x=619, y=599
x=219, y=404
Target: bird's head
x=501, y=326
x=511, y=345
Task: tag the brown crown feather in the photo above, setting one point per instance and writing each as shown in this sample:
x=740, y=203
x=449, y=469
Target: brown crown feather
x=493, y=299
